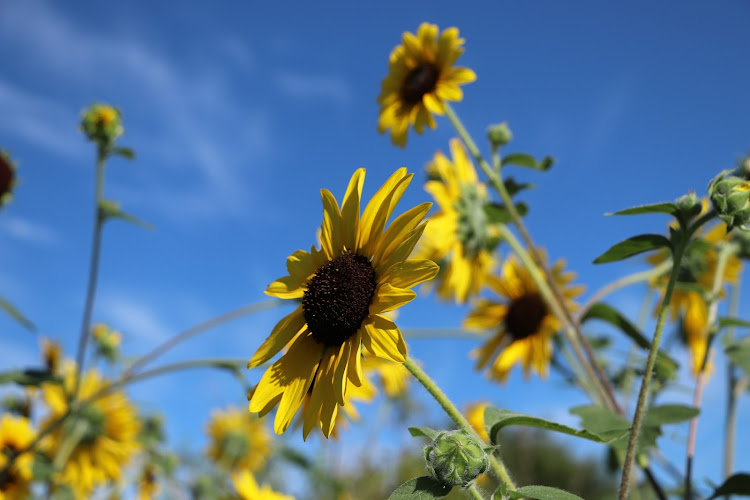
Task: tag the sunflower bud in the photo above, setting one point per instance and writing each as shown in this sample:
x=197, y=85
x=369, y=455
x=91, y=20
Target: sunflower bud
x=107, y=342
x=102, y=124
x=499, y=134
x=730, y=197
x=690, y=205
x=8, y=178
x=456, y=458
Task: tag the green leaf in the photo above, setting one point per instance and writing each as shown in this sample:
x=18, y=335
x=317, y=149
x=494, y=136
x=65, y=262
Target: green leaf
x=739, y=353
x=498, y=214
x=111, y=210
x=605, y=312
x=513, y=188
x=528, y=161
x=42, y=468
x=420, y=488
x=423, y=431
x=725, y=321
x=633, y=246
x=655, y=208
x=603, y=422
x=737, y=484
x=501, y=493
x=14, y=313
x=28, y=377
x=495, y=420
x=126, y=153
x=543, y=493
x=669, y=414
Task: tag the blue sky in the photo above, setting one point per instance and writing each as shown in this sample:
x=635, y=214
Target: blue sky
x=240, y=113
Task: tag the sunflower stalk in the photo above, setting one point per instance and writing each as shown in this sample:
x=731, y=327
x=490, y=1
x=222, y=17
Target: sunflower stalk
x=70, y=442
x=726, y=250
x=474, y=492
x=734, y=389
x=450, y=409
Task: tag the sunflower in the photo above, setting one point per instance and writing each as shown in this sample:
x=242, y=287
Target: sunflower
x=104, y=432
x=421, y=77
x=16, y=434
x=8, y=178
x=698, y=267
x=459, y=237
x=248, y=489
x=524, y=324
x=148, y=483
x=360, y=271
x=238, y=440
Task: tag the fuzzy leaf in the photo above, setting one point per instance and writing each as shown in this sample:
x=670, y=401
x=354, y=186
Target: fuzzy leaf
x=633, y=246
x=495, y=419
x=528, y=161
x=669, y=414
x=737, y=484
x=605, y=312
x=655, y=208
x=420, y=488
x=424, y=431
x=543, y=493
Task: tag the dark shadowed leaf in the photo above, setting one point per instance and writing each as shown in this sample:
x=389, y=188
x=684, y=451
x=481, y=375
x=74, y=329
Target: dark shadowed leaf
x=543, y=493
x=738, y=484
x=528, y=161
x=607, y=313
x=633, y=246
x=420, y=488
x=498, y=214
x=495, y=420
x=655, y=208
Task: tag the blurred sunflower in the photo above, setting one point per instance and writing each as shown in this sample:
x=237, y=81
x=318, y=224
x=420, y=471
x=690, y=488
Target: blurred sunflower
x=16, y=434
x=360, y=272
x=8, y=178
x=392, y=377
x=238, y=440
x=103, y=434
x=698, y=267
x=524, y=324
x=475, y=416
x=421, y=77
x=248, y=488
x=459, y=237
x=148, y=484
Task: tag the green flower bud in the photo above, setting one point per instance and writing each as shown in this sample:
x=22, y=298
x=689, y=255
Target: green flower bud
x=690, y=204
x=456, y=458
x=730, y=197
x=8, y=178
x=499, y=134
x=102, y=124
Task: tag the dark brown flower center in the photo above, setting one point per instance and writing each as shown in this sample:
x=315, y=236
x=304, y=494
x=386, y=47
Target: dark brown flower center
x=6, y=176
x=525, y=315
x=420, y=81
x=10, y=477
x=338, y=298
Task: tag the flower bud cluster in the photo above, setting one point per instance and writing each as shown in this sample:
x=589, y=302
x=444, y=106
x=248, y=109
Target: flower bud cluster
x=730, y=197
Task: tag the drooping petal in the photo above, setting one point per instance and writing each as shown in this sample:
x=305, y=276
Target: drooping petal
x=383, y=339
x=281, y=335
x=388, y=297
x=485, y=352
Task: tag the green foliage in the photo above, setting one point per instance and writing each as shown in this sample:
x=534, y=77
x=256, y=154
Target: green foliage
x=739, y=354
x=633, y=246
x=738, y=484
x=609, y=314
x=14, y=313
x=655, y=208
x=496, y=419
x=420, y=488
x=528, y=161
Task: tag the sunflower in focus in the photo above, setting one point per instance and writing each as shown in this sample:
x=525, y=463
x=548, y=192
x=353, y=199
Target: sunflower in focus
x=16, y=434
x=105, y=432
x=238, y=440
x=698, y=267
x=248, y=489
x=421, y=77
x=459, y=237
x=361, y=271
x=523, y=322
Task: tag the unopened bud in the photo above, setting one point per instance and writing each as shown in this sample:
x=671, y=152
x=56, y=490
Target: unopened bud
x=102, y=124
x=730, y=197
x=499, y=134
x=456, y=458
x=690, y=205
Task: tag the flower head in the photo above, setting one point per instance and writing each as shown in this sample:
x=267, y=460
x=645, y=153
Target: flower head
x=102, y=124
x=107, y=341
x=238, y=440
x=16, y=434
x=106, y=429
x=458, y=237
x=8, y=178
x=248, y=489
x=361, y=271
x=421, y=77
x=524, y=323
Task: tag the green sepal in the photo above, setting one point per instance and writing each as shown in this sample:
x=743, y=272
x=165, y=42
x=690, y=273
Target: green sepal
x=654, y=208
x=109, y=209
x=420, y=488
x=605, y=312
x=14, y=313
x=30, y=377
x=495, y=420
x=737, y=484
x=127, y=153
x=739, y=353
x=528, y=161
x=633, y=246
x=542, y=493
x=497, y=213
x=423, y=432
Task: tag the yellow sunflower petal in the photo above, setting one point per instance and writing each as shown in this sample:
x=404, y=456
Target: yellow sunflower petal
x=516, y=351
x=486, y=314
x=388, y=297
x=402, y=252
x=383, y=339
x=331, y=229
x=281, y=335
x=379, y=209
x=399, y=230
x=355, y=360
x=285, y=288
x=485, y=352
x=340, y=377
x=350, y=211
x=410, y=273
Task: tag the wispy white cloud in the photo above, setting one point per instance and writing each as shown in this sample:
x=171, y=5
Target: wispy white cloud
x=330, y=87
x=136, y=320
x=28, y=231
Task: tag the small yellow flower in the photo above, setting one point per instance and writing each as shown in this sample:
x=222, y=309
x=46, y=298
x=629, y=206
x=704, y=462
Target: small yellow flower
x=106, y=341
x=524, y=324
x=475, y=416
x=421, y=78
x=16, y=434
x=106, y=432
x=361, y=271
x=459, y=237
x=248, y=489
x=8, y=178
x=238, y=440
x=102, y=124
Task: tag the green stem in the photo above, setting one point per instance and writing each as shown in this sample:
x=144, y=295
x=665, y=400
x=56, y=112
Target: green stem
x=641, y=404
x=93, y=270
x=450, y=409
x=732, y=383
x=474, y=492
x=725, y=252
x=627, y=381
x=200, y=328
x=69, y=443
